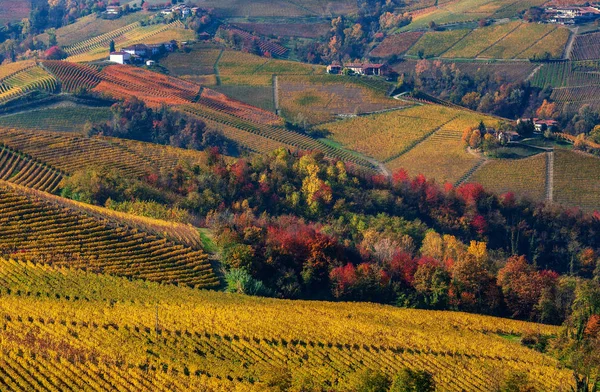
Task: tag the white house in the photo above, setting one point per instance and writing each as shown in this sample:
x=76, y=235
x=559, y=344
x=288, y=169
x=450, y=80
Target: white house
x=113, y=9
x=150, y=63
x=120, y=57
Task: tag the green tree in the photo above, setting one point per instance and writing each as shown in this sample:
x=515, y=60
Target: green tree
x=413, y=381
x=373, y=381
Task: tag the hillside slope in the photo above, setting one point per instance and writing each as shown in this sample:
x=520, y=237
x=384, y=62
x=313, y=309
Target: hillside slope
x=169, y=338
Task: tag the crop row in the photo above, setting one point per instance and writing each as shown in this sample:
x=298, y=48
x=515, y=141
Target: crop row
x=265, y=46
x=184, y=337
x=576, y=180
x=101, y=40
x=25, y=171
x=38, y=227
x=586, y=47
x=278, y=134
x=28, y=79
x=73, y=77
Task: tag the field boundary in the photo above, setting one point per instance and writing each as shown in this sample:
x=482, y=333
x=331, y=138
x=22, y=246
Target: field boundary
x=550, y=176
x=216, y=68
x=417, y=142
x=541, y=38
x=498, y=40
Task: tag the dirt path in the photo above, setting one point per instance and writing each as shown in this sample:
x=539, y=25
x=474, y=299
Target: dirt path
x=276, y=94
x=569, y=47
x=532, y=74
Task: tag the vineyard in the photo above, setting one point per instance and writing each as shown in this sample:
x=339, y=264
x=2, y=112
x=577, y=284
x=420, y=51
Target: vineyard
x=122, y=81
x=567, y=74
x=388, y=135
x=291, y=10
x=70, y=153
x=319, y=99
x=524, y=177
x=222, y=103
x=73, y=77
x=303, y=30
x=23, y=170
x=480, y=39
x=117, y=334
x=97, y=48
x=576, y=180
x=91, y=26
x=197, y=62
x=586, y=47
x=514, y=40
x=433, y=44
x=458, y=11
x=47, y=229
x=579, y=95
x=395, y=45
x=28, y=79
x=269, y=135
x=238, y=68
x=61, y=119
x=265, y=47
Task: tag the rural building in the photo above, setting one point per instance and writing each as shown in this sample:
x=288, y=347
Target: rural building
x=368, y=69
x=334, y=68
x=150, y=63
x=572, y=15
x=541, y=125
x=113, y=10
x=120, y=57
x=137, y=50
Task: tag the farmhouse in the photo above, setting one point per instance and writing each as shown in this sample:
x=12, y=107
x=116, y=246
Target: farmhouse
x=368, y=69
x=113, y=10
x=541, y=125
x=137, y=50
x=334, y=68
x=120, y=57
x=572, y=15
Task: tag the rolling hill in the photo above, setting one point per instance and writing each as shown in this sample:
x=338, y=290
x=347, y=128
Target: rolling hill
x=81, y=330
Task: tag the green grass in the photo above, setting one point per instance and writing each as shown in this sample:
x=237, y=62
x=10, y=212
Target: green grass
x=64, y=119
x=208, y=243
x=260, y=96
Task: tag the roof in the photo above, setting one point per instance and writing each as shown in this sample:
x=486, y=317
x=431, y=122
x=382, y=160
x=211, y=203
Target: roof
x=135, y=47
x=367, y=65
x=119, y=54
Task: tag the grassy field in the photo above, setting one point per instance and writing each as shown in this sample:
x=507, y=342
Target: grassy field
x=319, y=99
x=65, y=119
x=576, y=180
x=434, y=44
x=524, y=177
x=163, y=338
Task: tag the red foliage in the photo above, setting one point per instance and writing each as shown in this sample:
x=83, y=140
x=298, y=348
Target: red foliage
x=400, y=176
x=479, y=224
x=402, y=267
x=508, y=199
x=470, y=192
x=592, y=328
x=342, y=278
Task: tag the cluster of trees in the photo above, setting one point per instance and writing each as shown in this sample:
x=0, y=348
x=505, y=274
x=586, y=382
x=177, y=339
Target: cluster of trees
x=482, y=91
x=480, y=138
x=132, y=119
x=405, y=241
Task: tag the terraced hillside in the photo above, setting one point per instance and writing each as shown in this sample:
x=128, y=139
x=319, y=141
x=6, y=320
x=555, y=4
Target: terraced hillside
x=47, y=229
x=97, y=48
x=70, y=153
x=27, y=77
x=73, y=77
x=23, y=170
x=128, y=335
